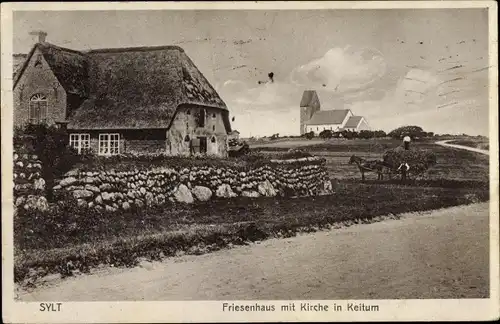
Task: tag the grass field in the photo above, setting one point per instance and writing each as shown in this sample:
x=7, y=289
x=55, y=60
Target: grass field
x=78, y=240
x=452, y=164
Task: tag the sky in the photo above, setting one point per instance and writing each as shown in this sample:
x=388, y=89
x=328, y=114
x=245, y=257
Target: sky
x=426, y=67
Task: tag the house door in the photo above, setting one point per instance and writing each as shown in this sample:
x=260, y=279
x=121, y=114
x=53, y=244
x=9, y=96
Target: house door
x=203, y=144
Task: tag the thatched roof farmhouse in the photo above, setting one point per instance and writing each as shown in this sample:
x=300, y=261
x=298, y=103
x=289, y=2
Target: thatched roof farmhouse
x=116, y=100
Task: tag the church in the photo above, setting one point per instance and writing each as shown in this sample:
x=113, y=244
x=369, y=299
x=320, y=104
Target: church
x=313, y=119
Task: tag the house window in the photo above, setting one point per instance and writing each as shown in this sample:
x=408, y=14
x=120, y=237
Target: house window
x=213, y=128
x=213, y=139
x=38, y=109
x=317, y=128
x=109, y=144
x=213, y=115
x=79, y=142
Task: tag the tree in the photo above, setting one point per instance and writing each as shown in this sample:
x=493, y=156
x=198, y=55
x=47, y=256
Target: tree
x=379, y=134
x=414, y=132
x=326, y=134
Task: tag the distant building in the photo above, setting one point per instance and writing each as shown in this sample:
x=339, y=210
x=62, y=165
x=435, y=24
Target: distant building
x=313, y=119
x=234, y=135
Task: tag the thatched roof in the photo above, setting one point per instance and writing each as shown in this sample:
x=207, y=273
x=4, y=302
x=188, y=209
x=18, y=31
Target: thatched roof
x=69, y=67
x=18, y=60
x=131, y=88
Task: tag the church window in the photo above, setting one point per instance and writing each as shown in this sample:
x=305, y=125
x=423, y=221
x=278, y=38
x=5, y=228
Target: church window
x=38, y=109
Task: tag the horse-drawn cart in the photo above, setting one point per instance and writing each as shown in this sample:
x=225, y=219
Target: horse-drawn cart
x=396, y=162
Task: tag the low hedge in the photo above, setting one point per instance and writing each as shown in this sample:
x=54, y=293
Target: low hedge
x=127, y=162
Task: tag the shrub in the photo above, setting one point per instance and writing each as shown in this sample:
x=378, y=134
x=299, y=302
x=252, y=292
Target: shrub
x=50, y=144
x=349, y=134
x=366, y=134
x=309, y=135
x=325, y=134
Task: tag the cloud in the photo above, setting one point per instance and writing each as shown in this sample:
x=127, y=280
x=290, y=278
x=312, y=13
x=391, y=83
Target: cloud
x=341, y=69
x=268, y=96
x=387, y=98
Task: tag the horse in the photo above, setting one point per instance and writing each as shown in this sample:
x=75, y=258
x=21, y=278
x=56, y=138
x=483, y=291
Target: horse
x=368, y=166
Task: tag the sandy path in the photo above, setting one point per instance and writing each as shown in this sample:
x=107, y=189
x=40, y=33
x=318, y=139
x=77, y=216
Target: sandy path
x=462, y=147
x=440, y=254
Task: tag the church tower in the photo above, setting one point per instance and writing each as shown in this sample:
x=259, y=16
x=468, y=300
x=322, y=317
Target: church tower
x=308, y=106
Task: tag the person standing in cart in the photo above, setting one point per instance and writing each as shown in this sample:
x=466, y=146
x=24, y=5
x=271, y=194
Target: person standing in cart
x=404, y=167
x=406, y=142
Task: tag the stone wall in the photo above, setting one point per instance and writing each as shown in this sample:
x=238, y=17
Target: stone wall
x=111, y=190
x=29, y=186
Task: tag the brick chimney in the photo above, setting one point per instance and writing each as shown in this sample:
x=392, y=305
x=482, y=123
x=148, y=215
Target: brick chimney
x=38, y=36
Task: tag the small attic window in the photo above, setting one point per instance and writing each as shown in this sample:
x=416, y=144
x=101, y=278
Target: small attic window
x=213, y=139
x=38, y=61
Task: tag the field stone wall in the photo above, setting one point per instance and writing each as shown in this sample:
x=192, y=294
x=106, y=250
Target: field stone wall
x=29, y=185
x=111, y=190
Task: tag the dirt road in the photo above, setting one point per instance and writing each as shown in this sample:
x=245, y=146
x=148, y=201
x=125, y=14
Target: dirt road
x=440, y=254
x=462, y=147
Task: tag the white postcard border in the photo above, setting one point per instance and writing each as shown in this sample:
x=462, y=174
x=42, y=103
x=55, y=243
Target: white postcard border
x=211, y=311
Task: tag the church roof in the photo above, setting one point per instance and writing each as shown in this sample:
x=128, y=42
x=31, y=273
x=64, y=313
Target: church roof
x=353, y=122
x=328, y=117
x=309, y=98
